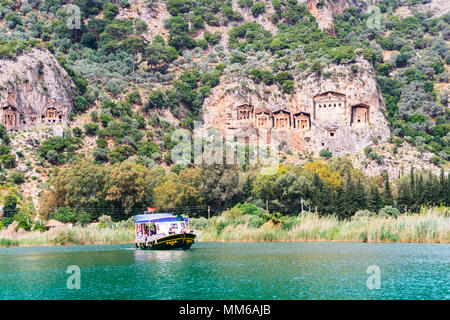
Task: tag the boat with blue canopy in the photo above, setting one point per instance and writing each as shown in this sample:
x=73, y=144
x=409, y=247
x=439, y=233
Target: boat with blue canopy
x=162, y=231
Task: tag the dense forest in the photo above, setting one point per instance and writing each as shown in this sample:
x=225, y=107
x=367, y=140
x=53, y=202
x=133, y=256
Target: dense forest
x=87, y=190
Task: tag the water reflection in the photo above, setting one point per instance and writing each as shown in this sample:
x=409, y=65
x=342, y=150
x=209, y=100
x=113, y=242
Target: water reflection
x=162, y=256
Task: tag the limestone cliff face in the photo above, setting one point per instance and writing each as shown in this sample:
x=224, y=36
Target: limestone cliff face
x=35, y=91
x=341, y=110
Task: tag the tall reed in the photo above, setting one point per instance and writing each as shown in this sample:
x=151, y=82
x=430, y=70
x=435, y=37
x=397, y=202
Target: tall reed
x=431, y=225
x=76, y=235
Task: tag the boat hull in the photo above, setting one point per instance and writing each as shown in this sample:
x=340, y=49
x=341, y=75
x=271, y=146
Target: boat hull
x=181, y=241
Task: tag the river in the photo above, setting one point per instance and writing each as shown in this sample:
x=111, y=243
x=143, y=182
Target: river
x=282, y=270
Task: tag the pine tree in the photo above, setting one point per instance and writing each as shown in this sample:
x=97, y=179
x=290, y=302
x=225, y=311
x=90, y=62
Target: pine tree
x=420, y=190
x=317, y=187
x=387, y=193
x=429, y=192
x=412, y=190
x=339, y=202
x=375, y=201
x=442, y=188
x=436, y=190
x=247, y=188
x=404, y=195
x=447, y=195
x=350, y=206
x=360, y=196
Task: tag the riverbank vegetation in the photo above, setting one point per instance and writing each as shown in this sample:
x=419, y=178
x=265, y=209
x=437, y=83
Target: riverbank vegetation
x=429, y=226
x=248, y=223
x=86, y=190
x=101, y=233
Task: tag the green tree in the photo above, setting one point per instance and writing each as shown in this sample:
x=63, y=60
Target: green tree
x=127, y=187
x=258, y=8
x=388, y=199
x=404, y=194
x=9, y=206
x=375, y=201
x=83, y=185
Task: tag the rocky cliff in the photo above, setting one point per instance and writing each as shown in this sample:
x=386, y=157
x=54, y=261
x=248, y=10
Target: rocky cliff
x=35, y=91
x=340, y=110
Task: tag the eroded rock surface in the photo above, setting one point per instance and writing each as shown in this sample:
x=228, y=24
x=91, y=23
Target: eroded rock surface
x=340, y=110
x=34, y=91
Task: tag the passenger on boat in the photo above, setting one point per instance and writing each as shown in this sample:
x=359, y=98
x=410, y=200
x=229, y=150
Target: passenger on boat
x=171, y=231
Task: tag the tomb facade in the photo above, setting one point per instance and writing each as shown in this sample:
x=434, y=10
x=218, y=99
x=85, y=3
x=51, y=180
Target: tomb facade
x=281, y=120
x=360, y=114
x=302, y=121
x=9, y=117
x=329, y=106
x=263, y=120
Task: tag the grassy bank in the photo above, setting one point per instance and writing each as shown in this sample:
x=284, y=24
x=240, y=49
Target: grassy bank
x=429, y=226
x=76, y=235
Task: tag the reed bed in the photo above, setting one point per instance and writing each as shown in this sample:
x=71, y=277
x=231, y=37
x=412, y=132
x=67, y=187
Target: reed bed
x=430, y=226
x=76, y=235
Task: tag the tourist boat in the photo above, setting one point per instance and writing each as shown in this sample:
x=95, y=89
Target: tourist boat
x=162, y=231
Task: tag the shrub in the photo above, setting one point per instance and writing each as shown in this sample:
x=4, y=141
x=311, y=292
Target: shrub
x=110, y=10
x=107, y=220
x=212, y=38
x=52, y=156
x=64, y=214
x=238, y=58
x=275, y=217
x=17, y=177
x=39, y=226
x=288, y=86
x=364, y=213
x=77, y=132
x=248, y=208
x=220, y=226
x=389, y=211
x=101, y=143
x=198, y=223
x=94, y=116
x=258, y=8
x=13, y=19
x=24, y=220
x=89, y=40
x=90, y=128
x=83, y=217
x=245, y=3
x=255, y=222
x=232, y=213
x=325, y=153
x=100, y=154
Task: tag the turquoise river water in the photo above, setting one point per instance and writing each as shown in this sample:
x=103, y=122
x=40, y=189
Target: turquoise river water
x=282, y=270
